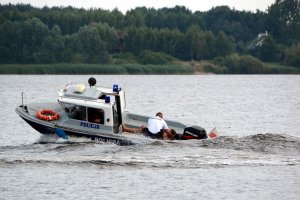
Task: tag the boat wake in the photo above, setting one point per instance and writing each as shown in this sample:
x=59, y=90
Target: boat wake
x=44, y=139
x=262, y=143
x=259, y=149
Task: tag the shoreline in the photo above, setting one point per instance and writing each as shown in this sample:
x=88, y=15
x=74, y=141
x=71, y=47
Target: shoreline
x=182, y=68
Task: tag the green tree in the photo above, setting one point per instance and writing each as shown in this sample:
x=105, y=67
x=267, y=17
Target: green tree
x=135, y=18
x=107, y=34
x=168, y=40
x=35, y=32
x=114, y=19
x=136, y=39
x=90, y=46
x=284, y=21
x=54, y=46
x=194, y=42
x=269, y=51
x=250, y=65
x=223, y=46
x=150, y=57
x=292, y=56
x=7, y=42
x=67, y=34
x=246, y=64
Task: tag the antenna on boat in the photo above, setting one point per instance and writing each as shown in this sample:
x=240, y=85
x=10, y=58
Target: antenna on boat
x=23, y=95
x=92, y=81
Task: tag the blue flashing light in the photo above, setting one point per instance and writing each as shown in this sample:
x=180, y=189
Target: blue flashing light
x=107, y=99
x=115, y=88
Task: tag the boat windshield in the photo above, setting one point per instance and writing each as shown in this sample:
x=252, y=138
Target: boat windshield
x=75, y=111
x=83, y=113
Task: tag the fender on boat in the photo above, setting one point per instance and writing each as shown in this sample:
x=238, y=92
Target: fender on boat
x=61, y=133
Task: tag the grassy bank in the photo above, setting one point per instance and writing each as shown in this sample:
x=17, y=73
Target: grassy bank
x=243, y=65
x=95, y=69
x=275, y=68
x=202, y=67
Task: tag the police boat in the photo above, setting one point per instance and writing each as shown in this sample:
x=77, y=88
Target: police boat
x=93, y=112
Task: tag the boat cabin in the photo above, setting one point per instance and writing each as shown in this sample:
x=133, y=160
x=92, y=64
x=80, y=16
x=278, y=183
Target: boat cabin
x=93, y=108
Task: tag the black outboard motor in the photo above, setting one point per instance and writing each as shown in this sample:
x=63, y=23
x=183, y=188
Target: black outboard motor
x=194, y=132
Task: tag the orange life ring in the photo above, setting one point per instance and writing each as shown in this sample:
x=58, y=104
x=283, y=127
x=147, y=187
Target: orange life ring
x=47, y=115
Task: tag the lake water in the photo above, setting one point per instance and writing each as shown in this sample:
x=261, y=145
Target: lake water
x=257, y=155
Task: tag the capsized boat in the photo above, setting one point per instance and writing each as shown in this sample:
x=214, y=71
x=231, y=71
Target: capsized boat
x=93, y=112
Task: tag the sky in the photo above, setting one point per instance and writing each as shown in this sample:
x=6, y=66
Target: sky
x=125, y=5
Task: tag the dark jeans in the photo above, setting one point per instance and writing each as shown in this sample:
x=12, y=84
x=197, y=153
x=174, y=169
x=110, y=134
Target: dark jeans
x=158, y=135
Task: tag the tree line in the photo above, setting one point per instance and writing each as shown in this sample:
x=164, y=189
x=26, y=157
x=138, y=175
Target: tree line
x=30, y=35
